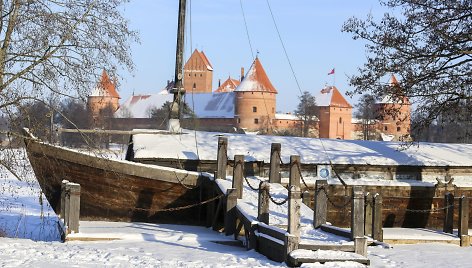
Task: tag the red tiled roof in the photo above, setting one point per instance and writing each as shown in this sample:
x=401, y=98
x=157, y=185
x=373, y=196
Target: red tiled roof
x=256, y=79
x=228, y=86
x=206, y=61
x=201, y=55
x=330, y=96
x=107, y=85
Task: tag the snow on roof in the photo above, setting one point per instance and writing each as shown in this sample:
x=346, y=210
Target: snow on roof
x=211, y=105
x=311, y=150
x=330, y=96
x=256, y=79
x=105, y=87
x=286, y=116
x=139, y=106
x=228, y=86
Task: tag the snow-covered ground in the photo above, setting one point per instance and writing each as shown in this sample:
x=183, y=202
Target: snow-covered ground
x=29, y=238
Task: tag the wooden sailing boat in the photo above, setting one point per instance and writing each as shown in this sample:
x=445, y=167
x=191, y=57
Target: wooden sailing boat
x=121, y=190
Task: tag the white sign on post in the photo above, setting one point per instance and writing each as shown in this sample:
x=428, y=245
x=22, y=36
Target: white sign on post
x=323, y=172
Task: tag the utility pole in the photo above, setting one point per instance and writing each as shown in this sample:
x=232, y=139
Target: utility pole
x=178, y=90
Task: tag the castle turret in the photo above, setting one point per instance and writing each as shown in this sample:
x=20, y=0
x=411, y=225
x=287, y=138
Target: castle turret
x=334, y=114
x=255, y=100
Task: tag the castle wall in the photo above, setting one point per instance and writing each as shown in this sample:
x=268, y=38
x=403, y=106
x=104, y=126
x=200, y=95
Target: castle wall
x=395, y=119
x=335, y=122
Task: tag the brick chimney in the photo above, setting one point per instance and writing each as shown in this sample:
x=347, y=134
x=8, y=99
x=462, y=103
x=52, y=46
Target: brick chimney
x=242, y=73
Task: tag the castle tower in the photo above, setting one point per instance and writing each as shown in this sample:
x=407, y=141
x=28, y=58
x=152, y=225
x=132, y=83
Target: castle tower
x=198, y=73
x=103, y=99
x=334, y=114
x=394, y=112
x=255, y=100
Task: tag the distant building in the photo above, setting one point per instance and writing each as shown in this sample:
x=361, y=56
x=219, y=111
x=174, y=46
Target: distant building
x=334, y=113
x=198, y=73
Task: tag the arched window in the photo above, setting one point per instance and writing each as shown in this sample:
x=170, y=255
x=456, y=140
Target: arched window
x=340, y=120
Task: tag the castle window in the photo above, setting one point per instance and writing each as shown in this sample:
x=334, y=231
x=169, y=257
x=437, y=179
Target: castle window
x=398, y=128
x=256, y=120
x=238, y=120
x=340, y=120
x=385, y=128
x=254, y=109
x=273, y=110
x=201, y=75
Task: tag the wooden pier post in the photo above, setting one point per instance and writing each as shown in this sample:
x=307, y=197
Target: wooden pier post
x=377, y=231
x=263, y=206
x=357, y=212
x=74, y=207
x=368, y=222
x=274, y=171
x=360, y=246
x=291, y=243
x=210, y=212
x=230, y=215
x=294, y=205
x=321, y=203
x=222, y=157
x=463, y=228
x=294, y=179
x=63, y=199
x=238, y=175
x=448, y=213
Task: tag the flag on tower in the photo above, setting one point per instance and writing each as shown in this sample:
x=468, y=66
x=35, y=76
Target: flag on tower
x=331, y=72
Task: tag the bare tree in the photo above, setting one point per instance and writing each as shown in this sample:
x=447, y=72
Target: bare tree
x=52, y=49
x=366, y=111
x=306, y=111
x=428, y=44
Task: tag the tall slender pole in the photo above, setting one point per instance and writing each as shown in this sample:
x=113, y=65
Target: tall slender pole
x=178, y=89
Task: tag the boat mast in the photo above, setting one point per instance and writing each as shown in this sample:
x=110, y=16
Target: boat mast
x=178, y=89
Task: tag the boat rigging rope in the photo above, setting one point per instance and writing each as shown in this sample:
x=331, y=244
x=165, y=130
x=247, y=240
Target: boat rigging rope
x=182, y=207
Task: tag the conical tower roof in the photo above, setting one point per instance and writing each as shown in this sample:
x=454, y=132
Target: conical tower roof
x=330, y=96
x=256, y=79
x=228, y=86
x=105, y=87
x=397, y=96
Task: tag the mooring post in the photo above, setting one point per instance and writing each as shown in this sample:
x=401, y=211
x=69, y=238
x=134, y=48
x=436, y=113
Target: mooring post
x=368, y=221
x=306, y=198
x=321, y=203
x=294, y=205
x=360, y=246
x=357, y=212
x=463, y=228
x=294, y=176
x=291, y=243
x=238, y=175
x=222, y=157
x=274, y=171
x=263, y=204
x=74, y=207
x=230, y=215
x=377, y=231
x=448, y=213
x=63, y=199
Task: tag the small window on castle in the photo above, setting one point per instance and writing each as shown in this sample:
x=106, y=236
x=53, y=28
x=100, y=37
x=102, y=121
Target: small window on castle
x=385, y=128
x=273, y=110
x=256, y=120
x=398, y=128
x=189, y=75
x=238, y=120
x=254, y=109
x=201, y=75
x=340, y=120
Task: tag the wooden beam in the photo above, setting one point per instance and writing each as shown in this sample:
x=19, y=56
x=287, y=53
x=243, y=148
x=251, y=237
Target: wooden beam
x=294, y=171
x=448, y=213
x=357, y=212
x=368, y=217
x=230, y=215
x=222, y=157
x=294, y=205
x=238, y=175
x=377, y=231
x=263, y=204
x=463, y=228
x=321, y=203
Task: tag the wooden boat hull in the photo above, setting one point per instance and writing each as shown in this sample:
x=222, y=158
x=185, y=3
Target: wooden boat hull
x=117, y=190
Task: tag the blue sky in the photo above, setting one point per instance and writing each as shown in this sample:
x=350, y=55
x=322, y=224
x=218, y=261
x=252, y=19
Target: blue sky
x=310, y=29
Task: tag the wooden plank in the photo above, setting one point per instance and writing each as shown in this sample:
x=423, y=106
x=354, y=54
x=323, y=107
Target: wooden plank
x=294, y=176
x=360, y=245
x=298, y=261
x=272, y=231
x=377, y=232
x=74, y=207
x=368, y=216
x=463, y=228
x=274, y=171
x=271, y=249
x=230, y=215
x=294, y=204
x=336, y=230
x=339, y=247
